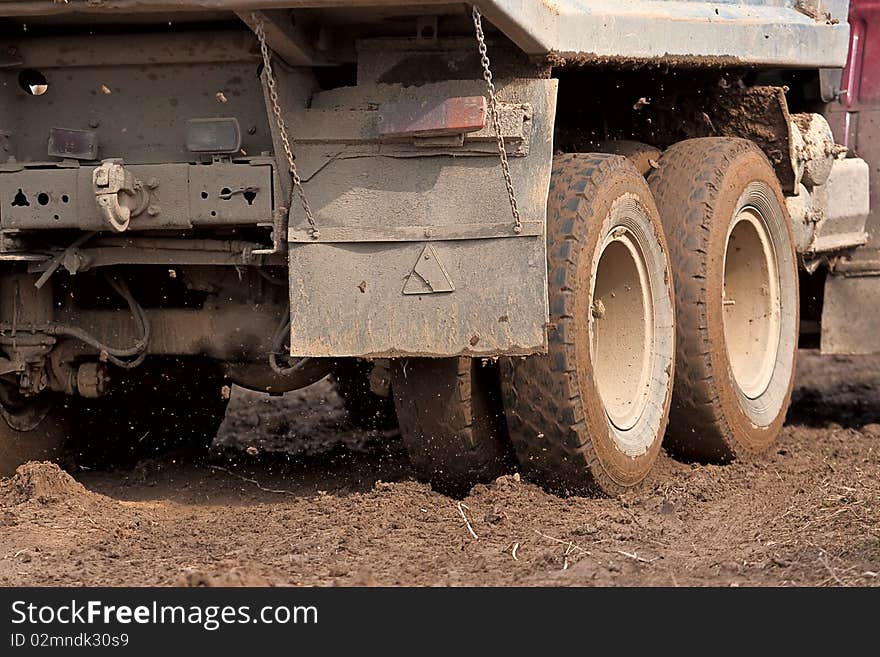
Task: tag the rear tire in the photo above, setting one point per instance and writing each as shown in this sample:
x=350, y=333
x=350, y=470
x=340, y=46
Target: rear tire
x=590, y=415
x=736, y=284
x=451, y=420
x=643, y=156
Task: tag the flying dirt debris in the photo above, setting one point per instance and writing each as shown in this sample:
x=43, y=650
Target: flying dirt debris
x=326, y=503
x=511, y=234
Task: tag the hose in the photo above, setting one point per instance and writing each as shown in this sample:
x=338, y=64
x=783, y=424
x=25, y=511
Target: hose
x=278, y=344
x=116, y=355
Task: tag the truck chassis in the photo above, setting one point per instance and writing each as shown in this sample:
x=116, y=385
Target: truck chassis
x=549, y=244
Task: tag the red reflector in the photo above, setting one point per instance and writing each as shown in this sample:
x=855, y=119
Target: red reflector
x=452, y=116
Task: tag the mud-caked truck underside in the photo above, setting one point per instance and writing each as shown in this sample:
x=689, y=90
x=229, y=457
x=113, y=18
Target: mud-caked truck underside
x=547, y=236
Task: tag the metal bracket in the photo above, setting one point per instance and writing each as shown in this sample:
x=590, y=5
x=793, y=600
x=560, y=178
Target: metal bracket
x=110, y=181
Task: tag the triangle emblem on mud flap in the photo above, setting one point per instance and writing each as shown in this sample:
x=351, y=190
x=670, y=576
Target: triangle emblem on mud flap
x=428, y=275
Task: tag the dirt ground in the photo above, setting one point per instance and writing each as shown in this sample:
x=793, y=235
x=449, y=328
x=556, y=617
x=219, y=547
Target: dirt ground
x=293, y=496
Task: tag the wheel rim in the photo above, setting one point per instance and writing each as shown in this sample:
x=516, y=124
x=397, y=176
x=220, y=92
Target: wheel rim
x=751, y=302
x=622, y=332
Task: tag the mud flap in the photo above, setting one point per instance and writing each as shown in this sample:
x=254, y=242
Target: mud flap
x=849, y=314
x=417, y=253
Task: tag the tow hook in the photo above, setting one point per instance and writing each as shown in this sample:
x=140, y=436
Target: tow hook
x=116, y=192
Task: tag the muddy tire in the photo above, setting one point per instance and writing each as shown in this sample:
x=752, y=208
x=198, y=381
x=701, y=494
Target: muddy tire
x=643, y=156
x=40, y=438
x=736, y=283
x=149, y=412
x=590, y=415
x=366, y=409
x=451, y=420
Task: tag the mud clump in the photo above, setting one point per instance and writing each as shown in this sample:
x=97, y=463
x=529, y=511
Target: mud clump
x=41, y=482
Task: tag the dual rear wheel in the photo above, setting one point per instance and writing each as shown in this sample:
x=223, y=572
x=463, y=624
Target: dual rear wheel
x=695, y=331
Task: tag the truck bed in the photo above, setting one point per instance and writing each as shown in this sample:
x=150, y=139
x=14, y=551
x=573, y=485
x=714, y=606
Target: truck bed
x=762, y=33
x=787, y=33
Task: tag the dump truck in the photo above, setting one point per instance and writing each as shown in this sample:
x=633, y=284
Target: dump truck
x=550, y=235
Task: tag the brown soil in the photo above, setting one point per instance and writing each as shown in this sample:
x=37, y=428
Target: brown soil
x=294, y=496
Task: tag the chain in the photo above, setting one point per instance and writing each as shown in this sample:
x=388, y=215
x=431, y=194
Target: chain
x=282, y=126
x=285, y=139
x=496, y=120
